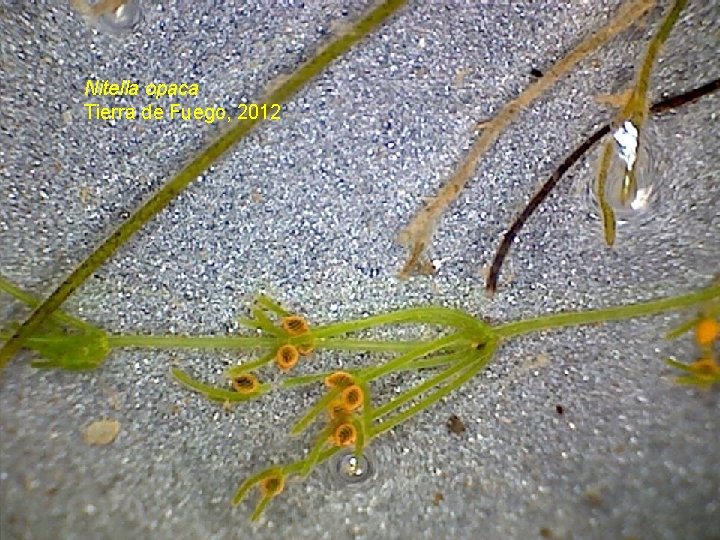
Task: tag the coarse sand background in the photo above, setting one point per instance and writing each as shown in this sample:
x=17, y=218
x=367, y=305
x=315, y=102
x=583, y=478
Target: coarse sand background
x=307, y=209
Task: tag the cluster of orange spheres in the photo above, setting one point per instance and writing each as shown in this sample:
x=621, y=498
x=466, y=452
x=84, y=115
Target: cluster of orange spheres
x=342, y=428
x=287, y=355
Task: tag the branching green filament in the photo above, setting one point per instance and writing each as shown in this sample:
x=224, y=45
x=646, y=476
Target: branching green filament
x=463, y=347
x=347, y=414
x=28, y=299
x=631, y=311
x=212, y=392
x=308, y=70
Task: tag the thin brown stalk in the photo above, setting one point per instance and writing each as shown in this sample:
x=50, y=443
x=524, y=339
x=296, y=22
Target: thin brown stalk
x=417, y=236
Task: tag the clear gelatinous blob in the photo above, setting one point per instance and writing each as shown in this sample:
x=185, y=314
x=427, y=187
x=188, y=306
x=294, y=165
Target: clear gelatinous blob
x=638, y=152
x=122, y=19
x=348, y=469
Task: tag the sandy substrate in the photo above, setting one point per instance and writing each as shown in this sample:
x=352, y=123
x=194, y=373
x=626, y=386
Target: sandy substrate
x=307, y=209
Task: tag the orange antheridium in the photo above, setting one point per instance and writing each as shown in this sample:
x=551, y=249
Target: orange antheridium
x=344, y=434
x=295, y=325
x=339, y=379
x=352, y=397
x=705, y=371
x=707, y=331
x=272, y=485
x=286, y=357
x=349, y=401
x=246, y=383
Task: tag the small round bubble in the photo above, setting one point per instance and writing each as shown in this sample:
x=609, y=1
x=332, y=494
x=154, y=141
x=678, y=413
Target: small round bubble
x=122, y=19
x=349, y=469
x=640, y=150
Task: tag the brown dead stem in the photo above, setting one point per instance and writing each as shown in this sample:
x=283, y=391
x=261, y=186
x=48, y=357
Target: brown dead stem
x=417, y=235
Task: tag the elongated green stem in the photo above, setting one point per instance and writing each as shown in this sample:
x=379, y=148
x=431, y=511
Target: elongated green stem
x=408, y=395
x=301, y=380
x=260, y=508
x=637, y=108
x=271, y=305
x=308, y=70
x=429, y=363
x=576, y=318
x=361, y=432
x=30, y=300
x=606, y=211
x=317, y=449
x=682, y=329
x=406, y=359
x=368, y=345
x=255, y=324
x=214, y=393
x=368, y=413
x=430, y=315
x=432, y=362
x=239, y=369
x=264, y=323
x=309, y=416
x=464, y=376
x=191, y=342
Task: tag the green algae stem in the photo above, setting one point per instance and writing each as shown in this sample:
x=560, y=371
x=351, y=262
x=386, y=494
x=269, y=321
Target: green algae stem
x=617, y=313
x=636, y=111
x=190, y=172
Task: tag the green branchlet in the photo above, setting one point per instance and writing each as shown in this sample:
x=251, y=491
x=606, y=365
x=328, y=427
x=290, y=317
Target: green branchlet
x=279, y=93
x=705, y=370
x=635, y=111
x=215, y=393
x=347, y=413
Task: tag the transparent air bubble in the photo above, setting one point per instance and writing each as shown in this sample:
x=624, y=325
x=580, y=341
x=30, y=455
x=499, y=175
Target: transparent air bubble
x=642, y=153
x=347, y=469
x=121, y=19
